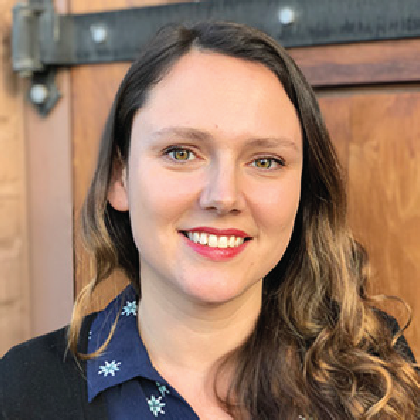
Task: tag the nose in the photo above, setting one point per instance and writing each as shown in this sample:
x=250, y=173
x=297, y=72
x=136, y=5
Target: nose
x=222, y=191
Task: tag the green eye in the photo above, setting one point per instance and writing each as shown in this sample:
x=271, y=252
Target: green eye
x=263, y=163
x=267, y=163
x=181, y=154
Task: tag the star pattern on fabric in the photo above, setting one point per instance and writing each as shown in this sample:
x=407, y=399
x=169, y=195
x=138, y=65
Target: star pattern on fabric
x=109, y=368
x=156, y=405
x=162, y=389
x=124, y=372
x=130, y=308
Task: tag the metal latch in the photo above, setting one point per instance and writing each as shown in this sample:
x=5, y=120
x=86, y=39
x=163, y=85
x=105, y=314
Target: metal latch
x=27, y=57
x=44, y=40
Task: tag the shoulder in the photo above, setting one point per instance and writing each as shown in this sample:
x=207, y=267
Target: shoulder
x=33, y=374
x=39, y=376
x=32, y=351
x=41, y=355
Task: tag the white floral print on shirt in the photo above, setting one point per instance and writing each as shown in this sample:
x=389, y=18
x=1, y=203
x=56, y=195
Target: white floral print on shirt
x=109, y=368
x=157, y=404
x=130, y=308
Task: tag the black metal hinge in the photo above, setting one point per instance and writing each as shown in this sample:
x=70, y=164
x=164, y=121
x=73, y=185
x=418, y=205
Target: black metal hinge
x=44, y=40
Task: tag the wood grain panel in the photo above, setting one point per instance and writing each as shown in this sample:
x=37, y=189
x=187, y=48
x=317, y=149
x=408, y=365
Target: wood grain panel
x=376, y=134
x=336, y=112
x=355, y=64
x=15, y=303
x=384, y=167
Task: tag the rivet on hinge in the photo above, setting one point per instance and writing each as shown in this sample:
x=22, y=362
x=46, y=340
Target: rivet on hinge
x=38, y=94
x=99, y=33
x=286, y=15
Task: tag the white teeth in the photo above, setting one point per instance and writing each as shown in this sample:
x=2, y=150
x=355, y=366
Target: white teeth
x=222, y=242
x=203, y=239
x=239, y=241
x=214, y=241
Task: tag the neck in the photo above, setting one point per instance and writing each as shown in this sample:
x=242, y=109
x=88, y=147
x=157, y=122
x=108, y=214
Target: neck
x=189, y=337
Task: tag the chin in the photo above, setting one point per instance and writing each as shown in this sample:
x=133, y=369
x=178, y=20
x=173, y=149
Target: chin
x=218, y=294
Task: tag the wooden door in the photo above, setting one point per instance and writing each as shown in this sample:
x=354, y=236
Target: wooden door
x=377, y=134
x=371, y=114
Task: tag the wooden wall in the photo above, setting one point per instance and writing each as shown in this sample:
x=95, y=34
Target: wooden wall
x=369, y=98
x=14, y=279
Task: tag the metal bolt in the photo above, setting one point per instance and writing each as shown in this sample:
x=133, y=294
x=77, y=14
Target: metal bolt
x=286, y=15
x=38, y=94
x=99, y=33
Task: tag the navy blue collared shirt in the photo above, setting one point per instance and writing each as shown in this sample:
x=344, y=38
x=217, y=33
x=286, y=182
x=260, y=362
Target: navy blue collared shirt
x=124, y=373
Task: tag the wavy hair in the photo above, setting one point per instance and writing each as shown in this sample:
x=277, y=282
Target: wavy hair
x=320, y=348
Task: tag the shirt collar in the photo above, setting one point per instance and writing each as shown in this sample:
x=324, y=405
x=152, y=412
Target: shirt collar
x=125, y=357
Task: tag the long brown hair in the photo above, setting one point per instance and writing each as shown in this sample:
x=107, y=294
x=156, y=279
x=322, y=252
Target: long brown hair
x=319, y=348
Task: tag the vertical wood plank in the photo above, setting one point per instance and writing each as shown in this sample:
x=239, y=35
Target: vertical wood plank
x=50, y=213
x=376, y=133
x=384, y=165
x=336, y=112
x=14, y=276
x=48, y=145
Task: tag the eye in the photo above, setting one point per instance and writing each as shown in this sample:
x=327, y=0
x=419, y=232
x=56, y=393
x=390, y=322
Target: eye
x=267, y=163
x=180, y=154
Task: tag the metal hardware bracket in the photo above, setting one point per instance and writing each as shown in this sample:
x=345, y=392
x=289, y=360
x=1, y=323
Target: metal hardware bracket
x=44, y=40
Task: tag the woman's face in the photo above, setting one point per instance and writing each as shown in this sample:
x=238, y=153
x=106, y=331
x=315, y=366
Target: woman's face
x=214, y=177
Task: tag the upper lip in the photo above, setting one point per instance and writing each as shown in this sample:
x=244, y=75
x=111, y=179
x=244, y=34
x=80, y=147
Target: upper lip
x=219, y=232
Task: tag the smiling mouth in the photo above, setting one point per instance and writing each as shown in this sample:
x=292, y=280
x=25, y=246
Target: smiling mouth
x=215, y=241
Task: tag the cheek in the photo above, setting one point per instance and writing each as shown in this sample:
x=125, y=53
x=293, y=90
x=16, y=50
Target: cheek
x=275, y=207
x=160, y=196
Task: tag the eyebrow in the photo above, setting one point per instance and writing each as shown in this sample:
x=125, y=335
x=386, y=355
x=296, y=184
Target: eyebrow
x=186, y=133
x=200, y=135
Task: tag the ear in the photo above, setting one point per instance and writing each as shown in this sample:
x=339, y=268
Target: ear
x=117, y=191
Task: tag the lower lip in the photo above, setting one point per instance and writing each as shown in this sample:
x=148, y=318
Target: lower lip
x=216, y=254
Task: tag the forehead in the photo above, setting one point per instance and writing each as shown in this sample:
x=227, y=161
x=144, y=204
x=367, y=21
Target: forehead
x=221, y=94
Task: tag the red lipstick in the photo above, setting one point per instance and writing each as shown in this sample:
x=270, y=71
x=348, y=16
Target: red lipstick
x=214, y=253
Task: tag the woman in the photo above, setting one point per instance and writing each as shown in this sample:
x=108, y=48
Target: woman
x=219, y=193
